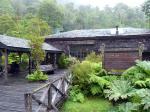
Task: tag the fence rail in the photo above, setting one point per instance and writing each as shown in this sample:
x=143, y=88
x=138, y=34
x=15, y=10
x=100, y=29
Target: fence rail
x=53, y=94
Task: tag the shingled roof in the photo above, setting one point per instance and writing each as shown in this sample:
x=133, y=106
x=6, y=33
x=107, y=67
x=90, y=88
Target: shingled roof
x=19, y=44
x=99, y=32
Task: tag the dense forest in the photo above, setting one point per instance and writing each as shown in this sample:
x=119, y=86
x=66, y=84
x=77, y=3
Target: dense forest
x=21, y=18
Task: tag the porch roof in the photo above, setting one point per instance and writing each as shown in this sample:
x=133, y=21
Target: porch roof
x=21, y=45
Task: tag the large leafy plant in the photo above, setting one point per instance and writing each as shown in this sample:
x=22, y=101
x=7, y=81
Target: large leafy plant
x=134, y=73
x=144, y=65
x=119, y=89
x=126, y=107
x=145, y=98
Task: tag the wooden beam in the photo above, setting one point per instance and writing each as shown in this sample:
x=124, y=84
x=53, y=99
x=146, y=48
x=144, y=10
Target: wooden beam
x=5, y=53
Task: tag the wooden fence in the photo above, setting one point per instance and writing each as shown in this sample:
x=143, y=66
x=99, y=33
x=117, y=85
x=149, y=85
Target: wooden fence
x=53, y=94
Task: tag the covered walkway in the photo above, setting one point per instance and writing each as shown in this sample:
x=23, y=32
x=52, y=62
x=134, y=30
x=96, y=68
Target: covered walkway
x=18, y=45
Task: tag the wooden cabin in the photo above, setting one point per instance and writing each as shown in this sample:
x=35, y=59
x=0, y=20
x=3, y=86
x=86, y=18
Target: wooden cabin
x=120, y=46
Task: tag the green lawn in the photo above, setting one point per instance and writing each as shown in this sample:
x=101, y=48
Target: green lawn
x=91, y=104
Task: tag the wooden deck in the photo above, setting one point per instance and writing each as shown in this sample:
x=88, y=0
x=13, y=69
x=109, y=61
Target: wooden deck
x=12, y=94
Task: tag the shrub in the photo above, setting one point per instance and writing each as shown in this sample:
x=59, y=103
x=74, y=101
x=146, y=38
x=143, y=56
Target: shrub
x=87, y=75
x=37, y=76
x=81, y=72
x=13, y=57
x=72, y=61
x=63, y=61
x=92, y=57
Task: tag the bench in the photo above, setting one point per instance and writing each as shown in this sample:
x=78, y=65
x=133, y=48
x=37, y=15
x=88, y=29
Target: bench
x=47, y=68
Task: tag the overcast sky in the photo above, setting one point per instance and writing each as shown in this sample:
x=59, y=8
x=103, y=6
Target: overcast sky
x=102, y=3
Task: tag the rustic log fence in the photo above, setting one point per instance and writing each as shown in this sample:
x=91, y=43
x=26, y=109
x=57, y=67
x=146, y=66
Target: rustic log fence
x=53, y=94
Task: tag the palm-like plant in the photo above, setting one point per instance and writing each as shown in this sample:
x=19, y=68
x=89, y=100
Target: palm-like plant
x=119, y=89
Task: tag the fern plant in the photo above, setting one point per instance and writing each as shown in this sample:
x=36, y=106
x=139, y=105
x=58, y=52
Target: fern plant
x=119, y=89
x=97, y=84
x=140, y=83
x=76, y=95
x=143, y=83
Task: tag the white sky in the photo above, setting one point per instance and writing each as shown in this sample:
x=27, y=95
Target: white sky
x=102, y=3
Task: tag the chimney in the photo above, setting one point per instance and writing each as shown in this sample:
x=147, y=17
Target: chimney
x=117, y=31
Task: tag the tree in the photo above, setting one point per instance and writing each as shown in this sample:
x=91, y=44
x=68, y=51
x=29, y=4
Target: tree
x=70, y=14
x=51, y=12
x=6, y=24
x=6, y=7
x=28, y=27
x=146, y=10
x=38, y=27
x=37, y=52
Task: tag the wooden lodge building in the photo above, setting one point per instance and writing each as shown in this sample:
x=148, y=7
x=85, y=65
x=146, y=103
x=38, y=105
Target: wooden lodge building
x=120, y=46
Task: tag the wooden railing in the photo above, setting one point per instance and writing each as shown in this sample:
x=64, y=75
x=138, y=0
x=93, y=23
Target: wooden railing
x=53, y=94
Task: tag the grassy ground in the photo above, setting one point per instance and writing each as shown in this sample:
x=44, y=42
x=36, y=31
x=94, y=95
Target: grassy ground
x=91, y=104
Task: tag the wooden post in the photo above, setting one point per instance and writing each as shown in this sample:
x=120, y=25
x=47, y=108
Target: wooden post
x=20, y=56
x=50, y=97
x=63, y=85
x=102, y=49
x=55, y=60
x=5, y=53
x=30, y=61
x=68, y=48
x=1, y=59
x=46, y=58
x=141, y=49
x=28, y=102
